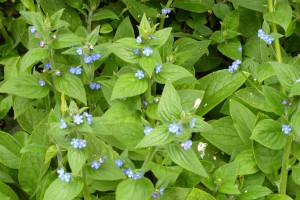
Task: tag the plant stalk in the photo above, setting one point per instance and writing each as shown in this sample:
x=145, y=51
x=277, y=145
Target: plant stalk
x=285, y=165
x=149, y=157
x=162, y=21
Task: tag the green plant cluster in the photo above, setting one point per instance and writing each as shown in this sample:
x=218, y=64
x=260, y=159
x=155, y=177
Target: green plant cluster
x=149, y=99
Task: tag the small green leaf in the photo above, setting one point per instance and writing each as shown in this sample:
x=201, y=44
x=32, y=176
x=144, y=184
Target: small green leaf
x=50, y=153
x=76, y=158
x=268, y=133
x=186, y=159
x=257, y=5
x=35, y=19
x=93, y=36
x=296, y=174
x=29, y=4
x=147, y=64
x=158, y=136
x=61, y=190
x=71, y=86
x=104, y=14
x=32, y=57
x=160, y=37
x=278, y=197
x=197, y=194
x=275, y=99
x=124, y=30
x=128, y=85
x=26, y=86
x=171, y=72
x=254, y=192
x=124, y=52
x=194, y=5
x=230, y=49
x=247, y=163
x=169, y=107
x=5, y=106
x=135, y=189
x=66, y=40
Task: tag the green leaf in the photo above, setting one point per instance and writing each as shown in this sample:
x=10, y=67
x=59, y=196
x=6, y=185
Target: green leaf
x=104, y=14
x=106, y=28
x=104, y=185
x=186, y=159
x=244, y=120
x=7, y=192
x=166, y=175
x=282, y=14
x=295, y=90
x=35, y=19
x=295, y=123
x=254, y=192
x=34, y=148
x=8, y=158
x=71, y=86
x=161, y=36
x=128, y=85
x=286, y=74
x=278, y=197
x=124, y=30
x=257, y=5
x=93, y=36
x=197, y=194
x=169, y=107
x=26, y=86
x=228, y=188
x=247, y=163
x=218, y=86
x=275, y=99
x=66, y=40
x=194, y=5
x=171, y=72
x=135, y=189
x=158, y=136
x=296, y=174
x=61, y=190
x=268, y=133
x=124, y=52
x=137, y=8
x=224, y=136
x=55, y=19
x=221, y=10
x=148, y=64
x=231, y=22
x=32, y=57
x=29, y=4
x=5, y=106
x=268, y=160
x=230, y=49
x=76, y=159
x=50, y=153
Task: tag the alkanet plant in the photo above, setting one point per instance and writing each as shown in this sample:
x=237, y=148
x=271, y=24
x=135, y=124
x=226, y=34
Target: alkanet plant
x=132, y=100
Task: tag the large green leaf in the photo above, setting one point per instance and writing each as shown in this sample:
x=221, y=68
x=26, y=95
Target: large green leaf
x=124, y=52
x=71, y=86
x=257, y=5
x=268, y=133
x=34, y=18
x=169, y=107
x=8, y=158
x=5, y=106
x=218, y=86
x=230, y=49
x=224, y=136
x=275, y=99
x=282, y=14
x=158, y=136
x=278, y=197
x=254, y=192
x=194, y=5
x=246, y=161
x=61, y=190
x=171, y=72
x=135, y=189
x=186, y=159
x=268, y=160
x=104, y=14
x=128, y=85
x=161, y=36
x=124, y=30
x=138, y=8
x=26, y=86
x=66, y=40
x=32, y=57
x=7, y=192
x=76, y=159
x=147, y=64
x=197, y=194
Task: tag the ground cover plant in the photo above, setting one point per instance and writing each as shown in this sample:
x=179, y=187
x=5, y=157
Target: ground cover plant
x=149, y=99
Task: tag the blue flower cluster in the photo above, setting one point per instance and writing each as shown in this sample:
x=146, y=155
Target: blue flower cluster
x=78, y=119
x=91, y=58
x=131, y=174
x=63, y=124
x=79, y=51
x=147, y=51
x=47, y=66
x=147, y=130
x=75, y=70
x=286, y=129
x=267, y=38
x=139, y=74
x=96, y=164
x=157, y=192
x=78, y=143
x=166, y=11
x=89, y=117
x=63, y=176
x=95, y=86
x=187, y=144
x=235, y=65
x=158, y=68
x=175, y=128
x=138, y=40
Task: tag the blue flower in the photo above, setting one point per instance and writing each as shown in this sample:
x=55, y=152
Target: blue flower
x=286, y=129
x=192, y=123
x=155, y=194
x=175, y=128
x=101, y=160
x=297, y=81
x=32, y=29
x=60, y=171
x=75, y=143
x=234, y=67
x=129, y=173
x=95, y=165
x=57, y=73
x=267, y=38
x=166, y=10
x=63, y=124
x=81, y=143
x=79, y=51
x=147, y=51
x=147, y=130
x=78, y=119
x=42, y=43
x=139, y=74
x=161, y=190
x=136, y=51
x=137, y=176
x=186, y=145
x=240, y=48
x=47, y=66
x=88, y=59
x=95, y=56
x=63, y=176
x=284, y=102
x=119, y=163
x=138, y=40
x=89, y=117
x=158, y=69
x=95, y=86
x=42, y=83
x=75, y=70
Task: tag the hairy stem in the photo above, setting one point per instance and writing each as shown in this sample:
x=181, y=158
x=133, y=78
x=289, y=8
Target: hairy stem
x=285, y=165
x=89, y=21
x=149, y=157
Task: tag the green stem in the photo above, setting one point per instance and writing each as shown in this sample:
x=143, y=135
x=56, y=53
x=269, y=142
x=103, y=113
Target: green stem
x=86, y=194
x=3, y=30
x=162, y=20
x=59, y=155
x=149, y=157
x=52, y=63
x=285, y=165
x=252, y=84
x=89, y=28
